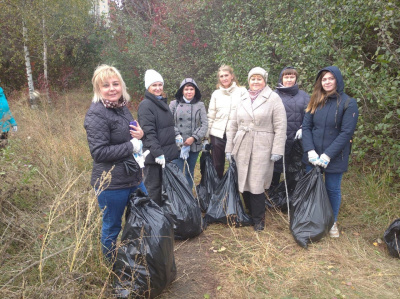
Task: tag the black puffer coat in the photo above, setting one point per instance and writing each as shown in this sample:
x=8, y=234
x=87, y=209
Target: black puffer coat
x=108, y=136
x=157, y=123
x=295, y=102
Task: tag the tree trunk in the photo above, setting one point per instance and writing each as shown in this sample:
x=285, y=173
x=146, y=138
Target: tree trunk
x=46, y=80
x=32, y=98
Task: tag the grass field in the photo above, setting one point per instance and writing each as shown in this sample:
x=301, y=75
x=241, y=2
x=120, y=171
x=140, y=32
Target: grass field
x=50, y=222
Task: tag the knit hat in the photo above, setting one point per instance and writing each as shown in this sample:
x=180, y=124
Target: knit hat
x=258, y=71
x=150, y=77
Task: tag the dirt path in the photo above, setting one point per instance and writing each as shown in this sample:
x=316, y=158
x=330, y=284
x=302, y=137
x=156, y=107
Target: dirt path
x=196, y=276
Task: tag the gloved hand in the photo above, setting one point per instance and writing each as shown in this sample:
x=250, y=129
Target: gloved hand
x=313, y=157
x=275, y=157
x=228, y=157
x=139, y=159
x=179, y=140
x=185, y=152
x=299, y=133
x=206, y=145
x=323, y=161
x=15, y=129
x=137, y=145
x=161, y=160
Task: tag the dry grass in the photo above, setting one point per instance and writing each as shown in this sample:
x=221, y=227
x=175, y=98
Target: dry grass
x=49, y=227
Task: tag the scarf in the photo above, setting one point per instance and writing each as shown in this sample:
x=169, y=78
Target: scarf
x=254, y=94
x=109, y=104
x=293, y=90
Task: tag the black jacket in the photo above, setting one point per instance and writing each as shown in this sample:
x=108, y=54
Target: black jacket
x=157, y=123
x=295, y=101
x=108, y=136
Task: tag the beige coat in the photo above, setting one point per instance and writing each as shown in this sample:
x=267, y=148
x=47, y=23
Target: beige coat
x=221, y=108
x=257, y=130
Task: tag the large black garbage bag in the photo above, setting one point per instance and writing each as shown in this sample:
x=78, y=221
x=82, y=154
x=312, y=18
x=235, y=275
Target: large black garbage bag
x=276, y=197
x=311, y=212
x=145, y=263
x=225, y=205
x=392, y=238
x=180, y=204
x=209, y=180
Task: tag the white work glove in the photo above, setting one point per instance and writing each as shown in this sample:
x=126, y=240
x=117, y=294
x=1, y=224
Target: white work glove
x=140, y=157
x=275, y=157
x=299, y=133
x=179, y=140
x=313, y=157
x=137, y=145
x=228, y=157
x=205, y=146
x=323, y=161
x=161, y=160
x=15, y=129
x=185, y=152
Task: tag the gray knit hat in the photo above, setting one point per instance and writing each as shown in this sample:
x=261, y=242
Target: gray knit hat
x=258, y=71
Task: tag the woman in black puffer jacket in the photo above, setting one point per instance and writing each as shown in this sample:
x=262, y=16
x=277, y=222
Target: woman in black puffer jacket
x=295, y=101
x=112, y=143
x=159, y=134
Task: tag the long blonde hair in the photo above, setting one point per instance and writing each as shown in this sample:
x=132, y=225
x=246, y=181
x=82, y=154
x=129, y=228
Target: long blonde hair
x=103, y=72
x=319, y=95
x=229, y=69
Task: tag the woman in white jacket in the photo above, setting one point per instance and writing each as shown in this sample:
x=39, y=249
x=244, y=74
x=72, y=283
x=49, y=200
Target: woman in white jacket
x=223, y=102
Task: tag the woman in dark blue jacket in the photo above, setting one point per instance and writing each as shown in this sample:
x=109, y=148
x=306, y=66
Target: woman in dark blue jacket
x=328, y=126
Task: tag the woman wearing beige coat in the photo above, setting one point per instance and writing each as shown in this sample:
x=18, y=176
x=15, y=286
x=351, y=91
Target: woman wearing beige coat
x=256, y=139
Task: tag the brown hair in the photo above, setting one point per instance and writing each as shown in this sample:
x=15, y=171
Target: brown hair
x=229, y=69
x=319, y=95
x=289, y=71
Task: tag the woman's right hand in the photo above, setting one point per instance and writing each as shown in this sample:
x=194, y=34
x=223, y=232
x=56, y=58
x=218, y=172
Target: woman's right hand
x=136, y=131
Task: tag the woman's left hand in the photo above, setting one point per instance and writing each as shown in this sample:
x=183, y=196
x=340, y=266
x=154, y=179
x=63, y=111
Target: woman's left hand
x=136, y=131
x=189, y=141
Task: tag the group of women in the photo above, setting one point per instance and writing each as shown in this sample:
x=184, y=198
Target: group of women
x=255, y=127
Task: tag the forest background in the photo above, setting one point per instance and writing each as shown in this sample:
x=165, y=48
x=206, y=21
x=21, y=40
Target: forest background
x=47, y=209
x=193, y=38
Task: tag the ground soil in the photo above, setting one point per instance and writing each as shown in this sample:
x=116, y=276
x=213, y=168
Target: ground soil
x=197, y=276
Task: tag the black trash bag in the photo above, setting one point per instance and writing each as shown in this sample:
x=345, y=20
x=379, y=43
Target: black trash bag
x=311, y=215
x=209, y=180
x=276, y=197
x=180, y=204
x=392, y=238
x=145, y=263
x=225, y=205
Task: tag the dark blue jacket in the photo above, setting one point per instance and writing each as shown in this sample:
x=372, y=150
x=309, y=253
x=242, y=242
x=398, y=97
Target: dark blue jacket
x=330, y=129
x=295, y=102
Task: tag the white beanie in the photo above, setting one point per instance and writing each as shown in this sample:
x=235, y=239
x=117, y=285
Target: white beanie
x=150, y=77
x=258, y=71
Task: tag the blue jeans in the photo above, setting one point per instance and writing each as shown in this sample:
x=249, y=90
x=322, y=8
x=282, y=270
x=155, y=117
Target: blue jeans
x=333, y=181
x=113, y=203
x=192, y=164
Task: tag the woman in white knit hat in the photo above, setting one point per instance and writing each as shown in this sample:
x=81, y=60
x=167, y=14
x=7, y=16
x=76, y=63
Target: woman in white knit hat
x=256, y=139
x=159, y=138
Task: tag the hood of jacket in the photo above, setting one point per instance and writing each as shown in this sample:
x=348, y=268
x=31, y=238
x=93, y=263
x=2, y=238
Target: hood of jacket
x=338, y=76
x=179, y=93
x=162, y=103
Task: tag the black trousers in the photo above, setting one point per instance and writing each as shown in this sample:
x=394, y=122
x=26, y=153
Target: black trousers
x=3, y=139
x=255, y=203
x=218, y=154
x=153, y=181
